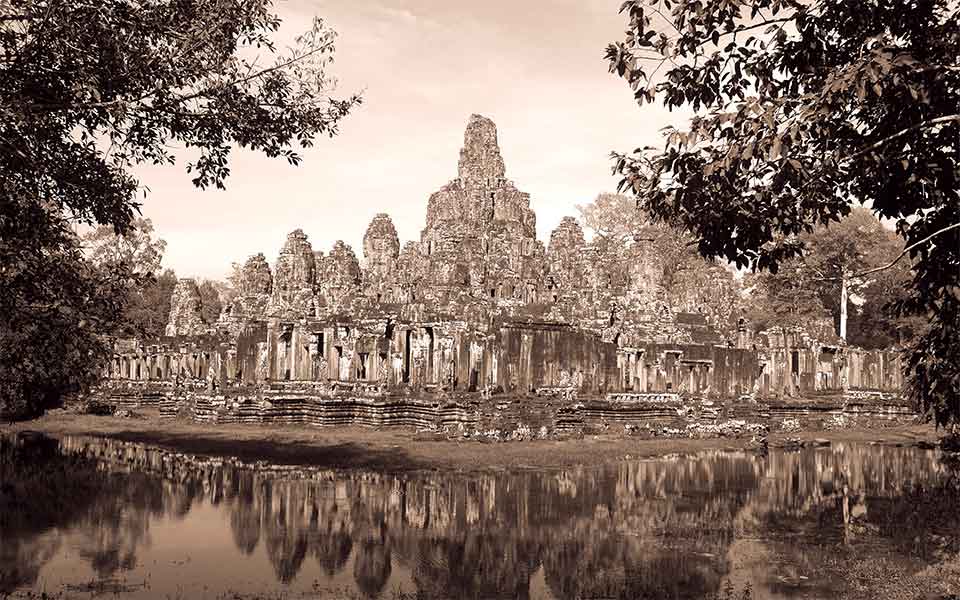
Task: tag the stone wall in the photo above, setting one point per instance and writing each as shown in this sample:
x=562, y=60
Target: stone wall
x=544, y=355
x=510, y=358
x=797, y=364
x=505, y=417
x=689, y=369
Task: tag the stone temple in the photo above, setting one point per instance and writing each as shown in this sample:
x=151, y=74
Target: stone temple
x=477, y=259
x=476, y=308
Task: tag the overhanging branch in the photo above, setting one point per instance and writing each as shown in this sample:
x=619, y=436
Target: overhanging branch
x=907, y=250
x=892, y=262
x=903, y=132
x=54, y=107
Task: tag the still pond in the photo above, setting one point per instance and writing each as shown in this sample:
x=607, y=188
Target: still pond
x=87, y=517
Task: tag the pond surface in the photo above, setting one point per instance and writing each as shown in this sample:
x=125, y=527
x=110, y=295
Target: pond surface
x=88, y=516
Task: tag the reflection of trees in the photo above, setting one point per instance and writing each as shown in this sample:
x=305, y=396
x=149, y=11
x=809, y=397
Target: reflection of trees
x=475, y=566
x=614, y=566
x=44, y=493
x=632, y=530
x=371, y=567
x=245, y=513
x=578, y=569
x=331, y=547
x=923, y=520
x=22, y=557
x=118, y=523
x=811, y=504
x=803, y=491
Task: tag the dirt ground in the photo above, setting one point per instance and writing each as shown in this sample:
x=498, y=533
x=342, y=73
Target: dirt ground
x=399, y=449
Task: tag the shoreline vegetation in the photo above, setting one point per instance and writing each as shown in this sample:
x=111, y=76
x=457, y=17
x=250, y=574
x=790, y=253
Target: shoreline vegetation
x=403, y=449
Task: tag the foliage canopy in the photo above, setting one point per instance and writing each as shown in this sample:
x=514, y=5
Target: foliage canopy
x=806, y=290
x=91, y=88
x=621, y=231
x=135, y=250
x=805, y=109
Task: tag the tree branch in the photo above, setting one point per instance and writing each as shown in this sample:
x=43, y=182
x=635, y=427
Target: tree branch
x=187, y=98
x=890, y=264
x=665, y=18
x=906, y=251
x=256, y=75
x=821, y=276
x=733, y=31
x=903, y=132
x=760, y=24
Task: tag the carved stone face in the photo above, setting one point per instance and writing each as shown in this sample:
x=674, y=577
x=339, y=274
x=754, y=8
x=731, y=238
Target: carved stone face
x=381, y=246
x=256, y=278
x=185, y=311
x=295, y=265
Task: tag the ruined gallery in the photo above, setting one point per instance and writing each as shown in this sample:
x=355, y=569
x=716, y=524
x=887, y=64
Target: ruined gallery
x=477, y=313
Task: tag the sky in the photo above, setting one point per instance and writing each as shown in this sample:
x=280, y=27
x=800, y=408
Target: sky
x=535, y=67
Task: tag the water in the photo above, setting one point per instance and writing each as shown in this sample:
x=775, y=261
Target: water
x=88, y=516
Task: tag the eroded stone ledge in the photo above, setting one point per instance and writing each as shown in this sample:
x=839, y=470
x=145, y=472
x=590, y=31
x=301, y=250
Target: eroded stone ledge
x=504, y=417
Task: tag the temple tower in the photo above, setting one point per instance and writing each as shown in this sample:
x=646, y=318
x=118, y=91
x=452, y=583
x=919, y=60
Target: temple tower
x=480, y=231
x=339, y=275
x=381, y=247
x=185, y=310
x=295, y=275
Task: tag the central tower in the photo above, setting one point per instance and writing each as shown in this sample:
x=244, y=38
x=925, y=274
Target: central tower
x=480, y=230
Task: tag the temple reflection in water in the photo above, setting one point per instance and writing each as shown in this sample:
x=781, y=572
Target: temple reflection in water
x=658, y=528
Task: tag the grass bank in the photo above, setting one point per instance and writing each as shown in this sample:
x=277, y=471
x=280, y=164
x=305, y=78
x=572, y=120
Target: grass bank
x=398, y=449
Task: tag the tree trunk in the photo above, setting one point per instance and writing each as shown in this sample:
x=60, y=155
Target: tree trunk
x=843, y=305
x=788, y=353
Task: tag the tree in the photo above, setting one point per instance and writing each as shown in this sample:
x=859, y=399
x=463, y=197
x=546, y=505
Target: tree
x=875, y=323
x=53, y=309
x=89, y=89
x=136, y=257
x=148, y=307
x=227, y=289
x=691, y=283
x=836, y=253
x=787, y=298
x=209, y=301
x=136, y=249
x=616, y=223
x=612, y=216
x=809, y=290
x=805, y=109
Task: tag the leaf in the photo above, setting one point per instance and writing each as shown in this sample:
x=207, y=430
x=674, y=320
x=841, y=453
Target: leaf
x=775, y=149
